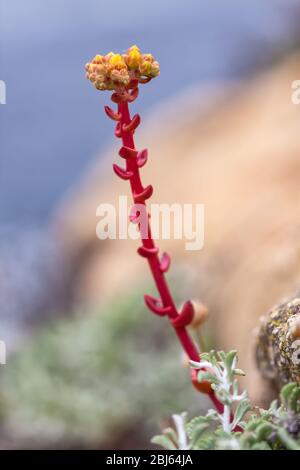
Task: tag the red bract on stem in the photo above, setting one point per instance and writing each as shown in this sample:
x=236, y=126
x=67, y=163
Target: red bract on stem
x=123, y=75
x=165, y=306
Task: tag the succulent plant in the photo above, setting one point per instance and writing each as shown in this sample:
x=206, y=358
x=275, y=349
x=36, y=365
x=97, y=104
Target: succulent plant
x=250, y=428
x=124, y=73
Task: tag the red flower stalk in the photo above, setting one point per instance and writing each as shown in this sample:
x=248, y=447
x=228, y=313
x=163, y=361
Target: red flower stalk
x=123, y=74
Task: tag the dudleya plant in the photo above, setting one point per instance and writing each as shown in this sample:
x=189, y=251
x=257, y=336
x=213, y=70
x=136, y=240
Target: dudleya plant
x=216, y=374
x=122, y=74
x=213, y=373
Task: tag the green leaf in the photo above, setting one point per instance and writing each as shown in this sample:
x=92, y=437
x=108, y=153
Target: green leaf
x=263, y=431
x=286, y=392
x=261, y=446
x=195, y=422
x=171, y=434
x=229, y=358
x=194, y=364
x=204, y=375
x=207, y=443
x=198, y=433
x=253, y=424
x=287, y=440
x=221, y=355
x=164, y=442
x=240, y=411
x=294, y=399
x=239, y=372
x=273, y=407
x=208, y=356
x=212, y=414
x=223, y=396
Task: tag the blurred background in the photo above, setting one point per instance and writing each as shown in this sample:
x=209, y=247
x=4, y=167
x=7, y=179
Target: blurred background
x=86, y=365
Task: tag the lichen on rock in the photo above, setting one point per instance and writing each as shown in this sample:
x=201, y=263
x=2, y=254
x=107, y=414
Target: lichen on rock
x=278, y=343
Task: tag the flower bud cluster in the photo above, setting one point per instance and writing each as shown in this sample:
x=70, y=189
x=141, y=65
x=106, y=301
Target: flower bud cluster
x=118, y=71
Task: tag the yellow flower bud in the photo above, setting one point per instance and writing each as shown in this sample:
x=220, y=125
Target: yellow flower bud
x=134, y=57
x=120, y=76
x=148, y=57
x=155, y=70
x=116, y=60
x=98, y=59
x=145, y=68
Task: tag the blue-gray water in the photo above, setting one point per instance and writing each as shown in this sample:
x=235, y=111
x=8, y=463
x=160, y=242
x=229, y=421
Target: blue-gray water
x=53, y=126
